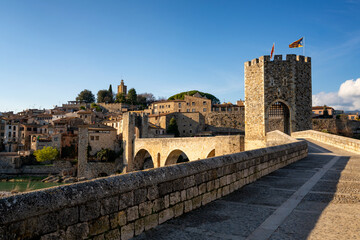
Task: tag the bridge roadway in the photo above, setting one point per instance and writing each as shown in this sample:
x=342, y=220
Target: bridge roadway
x=315, y=198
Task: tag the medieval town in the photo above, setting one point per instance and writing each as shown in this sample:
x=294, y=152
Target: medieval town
x=282, y=161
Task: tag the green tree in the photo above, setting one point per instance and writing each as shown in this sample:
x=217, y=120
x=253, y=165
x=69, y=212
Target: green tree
x=86, y=96
x=93, y=105
x=145, y=99
x=82, y=107
x=104, y=96
x=181, y=96
x=132, y=96
x=46, y=154
x=120, y=98
x=173, y=127
x=106, y=155
x=111, y=93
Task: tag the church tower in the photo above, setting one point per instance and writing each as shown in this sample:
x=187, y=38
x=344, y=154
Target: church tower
x=122, y=88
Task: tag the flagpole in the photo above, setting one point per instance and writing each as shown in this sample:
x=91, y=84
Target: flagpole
x=304, y=47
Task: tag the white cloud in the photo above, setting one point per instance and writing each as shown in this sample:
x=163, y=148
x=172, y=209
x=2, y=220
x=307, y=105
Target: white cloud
x=347, y=98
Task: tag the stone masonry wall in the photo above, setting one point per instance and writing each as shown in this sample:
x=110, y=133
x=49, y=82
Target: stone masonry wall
x=122, y=206
x=225, y=122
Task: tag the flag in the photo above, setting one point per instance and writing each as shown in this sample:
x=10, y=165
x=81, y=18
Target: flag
x=297, y=44
x=272, y=51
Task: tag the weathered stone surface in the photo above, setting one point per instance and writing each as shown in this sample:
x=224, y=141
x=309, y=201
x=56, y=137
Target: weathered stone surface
x=127, y=231
x=174, y=198
x=68, y=216
x=126, y=200
x=132, y=213
x=188, y=206
x=179, y=209
x=152, y=192
x=140, y=195
x=98, y=226
x=158, y=204
x=109, y=205
x=78, y=231
x=139, y=226
x=113, y=234
x=59, y=235
x=145, y=208
x=166, y=215
x=151, y=221
x=99, y=237
x=90, y=210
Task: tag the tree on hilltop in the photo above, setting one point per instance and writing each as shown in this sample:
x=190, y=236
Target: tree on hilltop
x=104, y=96
x=120, y=98
x=86, y=96
x=132, y=96
x=181, y=96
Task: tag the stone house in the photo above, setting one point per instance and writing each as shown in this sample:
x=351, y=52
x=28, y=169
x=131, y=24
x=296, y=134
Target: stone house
x=227, y=107
x=319, y=110
x=353, y=116
x=189, y=123
x=102, y=137
x=195, y=103
x=87, y=116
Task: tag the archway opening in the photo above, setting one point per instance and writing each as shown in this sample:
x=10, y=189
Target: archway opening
x=142, y=160
x=211, y=154
x=279, y=118
x=176, y=156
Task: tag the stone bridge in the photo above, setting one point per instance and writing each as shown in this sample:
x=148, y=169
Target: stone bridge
x=159, y=152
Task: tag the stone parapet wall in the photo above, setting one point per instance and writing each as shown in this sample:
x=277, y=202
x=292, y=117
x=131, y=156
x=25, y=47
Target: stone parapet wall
x=345, y=143
x=276, y=138
x=225, y=122
x=122, y=206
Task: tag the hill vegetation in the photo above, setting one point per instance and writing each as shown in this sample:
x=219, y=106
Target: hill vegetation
x=181, y=96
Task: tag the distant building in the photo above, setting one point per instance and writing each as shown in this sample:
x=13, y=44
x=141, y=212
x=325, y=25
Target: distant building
x=122, y=88
x=195, y=103
x=319, y=110
x=353, y=116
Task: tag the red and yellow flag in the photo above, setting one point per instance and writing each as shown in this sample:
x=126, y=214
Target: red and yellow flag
x=272, y=51
x=297, y=44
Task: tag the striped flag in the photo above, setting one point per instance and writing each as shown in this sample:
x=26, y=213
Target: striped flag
x=272, y=51
x=297, y=44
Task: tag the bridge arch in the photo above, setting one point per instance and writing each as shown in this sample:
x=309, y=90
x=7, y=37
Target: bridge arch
x=143, y=160
x=176, y=156
x=211, y=154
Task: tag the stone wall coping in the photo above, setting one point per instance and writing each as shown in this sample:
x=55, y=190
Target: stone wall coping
x=283, y=135
x=187, y=138
x=289, y=58
x=26, y=205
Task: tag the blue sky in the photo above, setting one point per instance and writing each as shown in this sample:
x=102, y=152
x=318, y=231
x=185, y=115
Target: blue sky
x=52, y=50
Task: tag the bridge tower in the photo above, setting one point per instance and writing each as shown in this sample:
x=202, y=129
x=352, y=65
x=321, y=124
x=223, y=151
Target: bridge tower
x=277, y=97
x=135, y=125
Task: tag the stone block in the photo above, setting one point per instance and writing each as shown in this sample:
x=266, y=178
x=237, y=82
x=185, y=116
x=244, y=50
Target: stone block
x=112, y=234
x=43, y=224
x=152, y=193
x=179, y=209
x=196, y=202
x=206, y=198
x=219, y=193
x=109, y=205
x=139, y=226
x=188, y=206
x=122, y=218
x=190, y=193
x=151, y=221
x=189, y=182
x=68, y=216
x=178, y=184
x=165, y=188
x=117, y=219
x=202, y=188
x=210, y=185
x=58, y=235
x=165, y=215
x=196, y=191
x=158, y=205
x=145, y=208
x=216, y=183
x=126, y=200
x=183, y=195
x=140, y=195
x=78, y=231
x=127, y=231
x=132, y=213
x=212, y=174
x=89, y=211
x=174, y=198
x=167, y=201
x=225, y=190
x=99, y=225
x=223, y=181
x=228, y=179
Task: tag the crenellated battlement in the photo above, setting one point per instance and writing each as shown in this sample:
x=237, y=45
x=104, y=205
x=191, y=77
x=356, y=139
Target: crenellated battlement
x=278, y=58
